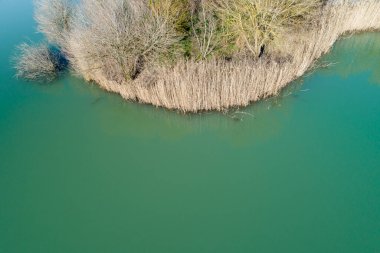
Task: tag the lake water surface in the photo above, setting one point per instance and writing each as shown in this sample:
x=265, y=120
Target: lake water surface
x=83, y=171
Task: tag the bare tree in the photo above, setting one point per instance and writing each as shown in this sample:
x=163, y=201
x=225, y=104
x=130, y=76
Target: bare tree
x=204, y=29
x=119, y=38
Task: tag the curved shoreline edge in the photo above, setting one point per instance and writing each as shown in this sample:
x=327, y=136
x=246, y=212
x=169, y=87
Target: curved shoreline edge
x=217, y=85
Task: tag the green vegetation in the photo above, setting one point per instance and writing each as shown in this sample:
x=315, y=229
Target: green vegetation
x=247, y=26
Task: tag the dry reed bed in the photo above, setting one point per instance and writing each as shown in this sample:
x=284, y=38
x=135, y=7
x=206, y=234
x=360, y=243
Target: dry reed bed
x=217, y=85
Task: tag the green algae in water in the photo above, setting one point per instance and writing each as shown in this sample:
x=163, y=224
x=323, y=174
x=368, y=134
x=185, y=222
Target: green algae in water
x=82, y=170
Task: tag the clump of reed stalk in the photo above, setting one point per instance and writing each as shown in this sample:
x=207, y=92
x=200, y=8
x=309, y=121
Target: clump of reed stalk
x=38, y=62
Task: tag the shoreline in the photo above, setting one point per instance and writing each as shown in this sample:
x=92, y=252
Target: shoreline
x=216, y=85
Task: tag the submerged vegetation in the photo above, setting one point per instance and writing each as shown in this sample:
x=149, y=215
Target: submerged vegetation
x=191, y=55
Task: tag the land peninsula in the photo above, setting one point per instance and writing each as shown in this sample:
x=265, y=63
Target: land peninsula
x=190, y=55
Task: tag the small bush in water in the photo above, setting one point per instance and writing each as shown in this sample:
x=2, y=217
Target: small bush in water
x=39, y=62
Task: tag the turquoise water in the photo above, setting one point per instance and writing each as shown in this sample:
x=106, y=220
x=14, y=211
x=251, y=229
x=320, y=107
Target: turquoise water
x=82, y=170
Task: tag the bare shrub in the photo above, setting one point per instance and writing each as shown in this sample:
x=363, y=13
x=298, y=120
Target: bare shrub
x=175, y=12
x=53, y=18
x=120, y=38
x=206, y=38
x=38, y=62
